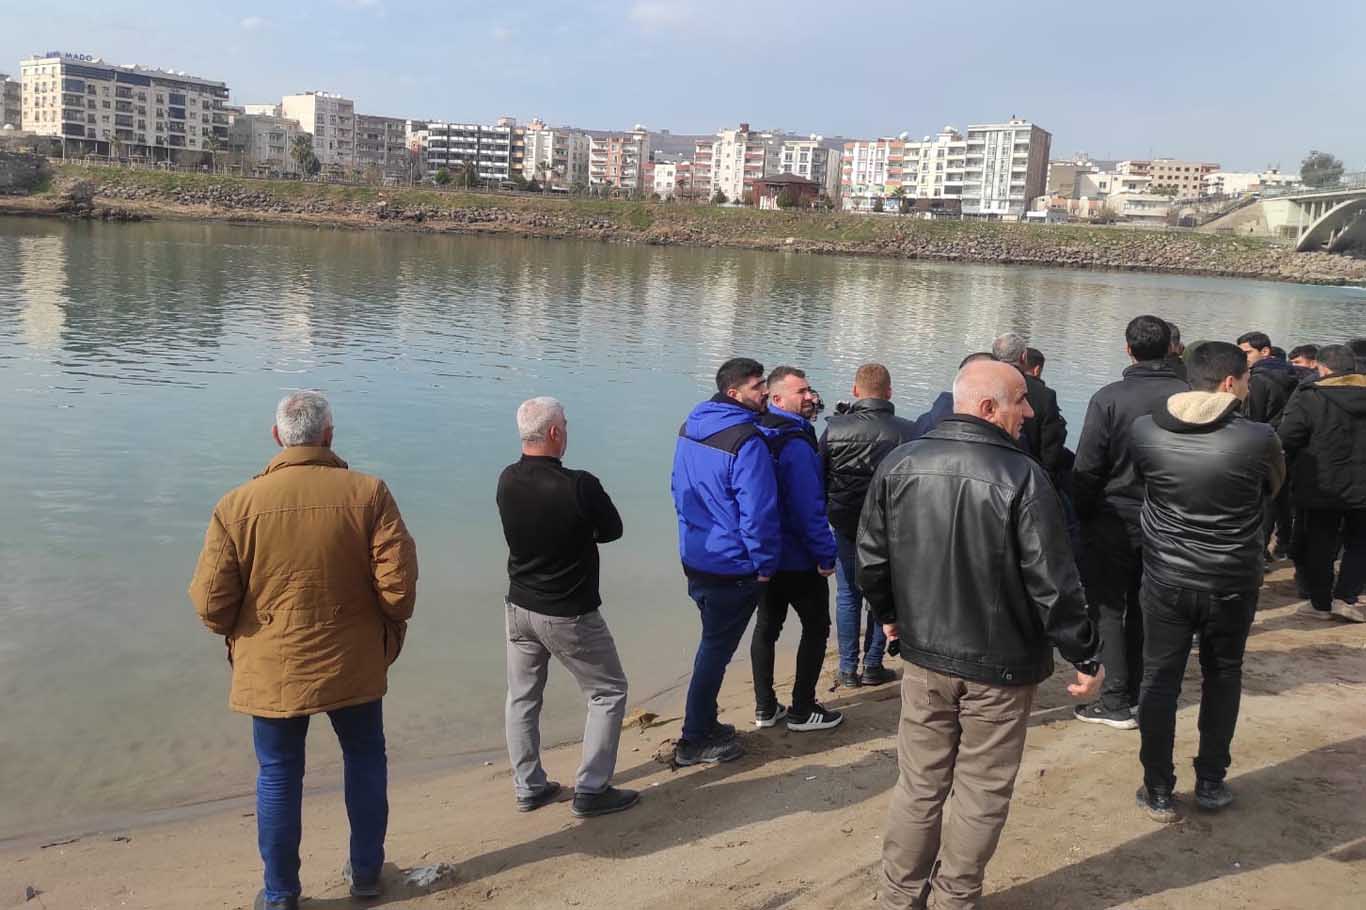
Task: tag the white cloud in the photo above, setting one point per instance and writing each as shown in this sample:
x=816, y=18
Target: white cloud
x=502, y=33
x=254, y=23
x=654, y=14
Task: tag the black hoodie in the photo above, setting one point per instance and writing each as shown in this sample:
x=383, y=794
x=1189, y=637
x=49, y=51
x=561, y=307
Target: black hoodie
x=1323, y=431
x=1270, y=386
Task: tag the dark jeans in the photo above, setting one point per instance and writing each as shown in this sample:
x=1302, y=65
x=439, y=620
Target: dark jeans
x=808, y=593
x=1323, y=532
x=280, y=792
x=1113, y=571
x=850, y=614
x=725, y=608
x=1172, y=616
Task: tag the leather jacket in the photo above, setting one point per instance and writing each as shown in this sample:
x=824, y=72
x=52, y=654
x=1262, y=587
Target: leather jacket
x=963, y=545
x=852, y=446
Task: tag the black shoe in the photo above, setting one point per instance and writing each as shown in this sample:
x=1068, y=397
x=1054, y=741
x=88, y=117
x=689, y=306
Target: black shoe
x=849, y=680
x=708, y=753
x=1157, y=805
x=1212, y=795
x=362, y=888
x=537, y=800
x=765, y=719
x=877, y=675
x=723, y=731
x=1097, y=713
x=587, y=805
x=288, y=903
x=817, y=718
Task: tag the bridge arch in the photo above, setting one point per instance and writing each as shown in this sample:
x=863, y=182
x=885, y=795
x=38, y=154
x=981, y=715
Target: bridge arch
x=1338, y=227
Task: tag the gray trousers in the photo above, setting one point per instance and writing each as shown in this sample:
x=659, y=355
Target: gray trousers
x=583, y=644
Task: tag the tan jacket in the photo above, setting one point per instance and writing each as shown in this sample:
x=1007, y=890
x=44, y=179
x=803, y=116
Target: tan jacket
x=311, y=575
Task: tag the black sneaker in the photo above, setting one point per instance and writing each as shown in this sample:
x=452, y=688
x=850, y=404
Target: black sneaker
x=362, y=887
x=849, y=680
x=588, y=805
x=817, y=718
x=723, y=731
x=877, y=675
x=708, y=753
x=288, y=903
x=764, y=720
x=537, y=800
x=1212, y=795
x=1157, y=804
x=1097, y=713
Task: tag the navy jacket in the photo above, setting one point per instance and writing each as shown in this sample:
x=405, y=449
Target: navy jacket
x=725, y=492
x=942, y=407
x=807, y=540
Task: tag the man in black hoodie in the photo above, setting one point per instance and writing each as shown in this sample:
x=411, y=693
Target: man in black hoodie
x=1271, y=382
x=1206, y=471
x=1323, y=431
x=1109, y=496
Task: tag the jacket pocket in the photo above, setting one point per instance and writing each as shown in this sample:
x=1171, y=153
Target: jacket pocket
x=394, y=634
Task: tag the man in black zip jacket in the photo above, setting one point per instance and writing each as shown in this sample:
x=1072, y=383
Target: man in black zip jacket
x=1271, y=382
x=1045, y=433
x=1108, y=496
x=1206, y=471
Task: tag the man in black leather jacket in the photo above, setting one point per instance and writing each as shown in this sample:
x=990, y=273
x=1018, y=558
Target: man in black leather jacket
x=852, y=446
x=1207, y=472
x=964, y=557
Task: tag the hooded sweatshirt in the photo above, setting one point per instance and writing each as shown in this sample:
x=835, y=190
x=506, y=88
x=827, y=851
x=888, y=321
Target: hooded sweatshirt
x=1270, y=384
x=807, y=541
x=1323, y=431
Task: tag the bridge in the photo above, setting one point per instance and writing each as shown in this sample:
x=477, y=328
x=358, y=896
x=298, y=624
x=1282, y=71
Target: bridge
x=1331, y=219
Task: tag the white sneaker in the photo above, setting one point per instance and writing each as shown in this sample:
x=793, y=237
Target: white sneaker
x=1307, y=609
x=1352, y=611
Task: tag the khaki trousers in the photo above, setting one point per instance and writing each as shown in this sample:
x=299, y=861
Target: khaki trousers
x=958, y=748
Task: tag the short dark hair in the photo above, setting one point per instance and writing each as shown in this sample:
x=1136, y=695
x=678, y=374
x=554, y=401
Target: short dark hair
x=780, y=373
x=1358, y=346
x=1338, y=358
x=1259, y=341
x=1212, y=363
x=1305, y=350
x=974, y=357
x=735, y=371
x=1148, y=337
x=1034, y=359
x=1278, y=353
x=1176, y=332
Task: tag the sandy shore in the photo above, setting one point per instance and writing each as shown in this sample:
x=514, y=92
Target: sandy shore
x=798, y=821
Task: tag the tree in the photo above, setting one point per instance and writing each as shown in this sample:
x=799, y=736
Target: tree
x=302, y=152
x=1320, y=169
x=877, y=204
x=719, y=198
x=441, y=177
x=787, y=199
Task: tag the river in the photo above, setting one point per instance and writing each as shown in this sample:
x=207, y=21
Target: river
x=140, y=365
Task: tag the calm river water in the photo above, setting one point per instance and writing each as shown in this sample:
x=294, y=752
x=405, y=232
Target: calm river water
x=140, y=365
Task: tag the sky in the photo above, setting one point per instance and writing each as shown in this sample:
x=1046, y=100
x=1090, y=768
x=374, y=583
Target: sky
x=1247, y=84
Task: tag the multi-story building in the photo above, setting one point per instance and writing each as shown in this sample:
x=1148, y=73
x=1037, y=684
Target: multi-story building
x=618, y=160
x=1239, y=183
x=936, y=167
x=673, y=179
x=331, y=121
x=736, y=158
x=11, y=102
x=134, y=111
x=556, y=158
x=496, y=152
x=1006, y=167
x=1100, y=184
x=382, y=144
x=263, y=143
x=810, y=158
x=878, y=169
x=1181, y=179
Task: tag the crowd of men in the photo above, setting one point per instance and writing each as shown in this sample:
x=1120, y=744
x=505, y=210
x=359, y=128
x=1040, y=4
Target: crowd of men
x=978, y=541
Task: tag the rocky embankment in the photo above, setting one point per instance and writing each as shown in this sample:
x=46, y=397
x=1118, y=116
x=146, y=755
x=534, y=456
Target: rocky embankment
x=124, y=195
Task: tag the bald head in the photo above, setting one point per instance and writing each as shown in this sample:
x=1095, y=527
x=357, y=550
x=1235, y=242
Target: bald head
x=994, y=392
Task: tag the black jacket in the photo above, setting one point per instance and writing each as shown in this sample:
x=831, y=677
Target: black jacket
x=1176, y=364
x=1103, y=478
x=962, y=545
x=1270, y=386
x=1323, y=430
x=1207, y=471
x=553, y=519
x=852, y=446
x=1045, y=434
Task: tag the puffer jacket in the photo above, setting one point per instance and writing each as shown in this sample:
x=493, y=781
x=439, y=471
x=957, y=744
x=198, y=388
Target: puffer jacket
x=311, y=575
x=1323, y=431
x=962, y=544
x=1206, y=470
x=807, y=541
x=852, y=446
x=1270, y=384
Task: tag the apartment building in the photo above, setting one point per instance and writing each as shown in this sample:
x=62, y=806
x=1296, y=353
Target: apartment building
x=931, y=168
x=142, y=112
x=262, y=143
x=1006, y=167
x=810, y=158
x=11, y=104
x=556, y=158
x=1182, y=179
x=331, y=120
x=382, y=144
x=1240, y=183
x=732, y=161
x=935, y=167
x=618, y=160
x=496, y=152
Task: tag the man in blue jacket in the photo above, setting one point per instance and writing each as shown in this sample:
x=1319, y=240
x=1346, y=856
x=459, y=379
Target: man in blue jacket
x=807, y=558
x=726, y=497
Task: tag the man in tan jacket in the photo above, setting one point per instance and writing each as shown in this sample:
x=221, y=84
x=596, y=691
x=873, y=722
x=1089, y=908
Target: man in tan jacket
x=310, y=574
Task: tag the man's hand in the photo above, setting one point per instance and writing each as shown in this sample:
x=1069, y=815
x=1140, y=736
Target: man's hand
x=761, y=579
x=889, y=629
x=1086, y=687
x=827, y=572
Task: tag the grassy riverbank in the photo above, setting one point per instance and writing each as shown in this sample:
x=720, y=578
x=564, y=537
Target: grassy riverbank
x=122, y=193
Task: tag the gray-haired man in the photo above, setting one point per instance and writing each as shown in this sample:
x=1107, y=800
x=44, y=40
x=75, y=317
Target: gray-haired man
x=553, y=519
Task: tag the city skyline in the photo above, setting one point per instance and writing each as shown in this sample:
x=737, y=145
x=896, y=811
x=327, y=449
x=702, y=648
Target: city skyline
x=1217, y=90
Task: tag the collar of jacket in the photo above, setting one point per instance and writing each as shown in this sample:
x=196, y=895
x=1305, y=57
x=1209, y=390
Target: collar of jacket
x=723, y=398
x=1342, y=381
x=1143, y=369
x=872, y=406
x=797, y=421
x=309, y=455
x=539, y=459
x=966, y=428
x=1197, y=412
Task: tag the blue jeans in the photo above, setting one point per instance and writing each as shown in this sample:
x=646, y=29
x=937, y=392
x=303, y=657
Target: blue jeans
x=726, y=608
x=280, y=792
x=849, y=612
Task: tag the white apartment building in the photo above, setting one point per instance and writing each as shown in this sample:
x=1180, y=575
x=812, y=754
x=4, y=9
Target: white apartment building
x=331, y=121
x=1099, y=184
x=619, y=159
x=145, y=113
x=556, y=158
x=1239, y=183
x=11, y=102
x=935, y=168
x=810, y=158
x=496, y=152
x=263, y=143
x=931, y=168
x=382, y=143
x=733, y=160
x=1006, y=166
